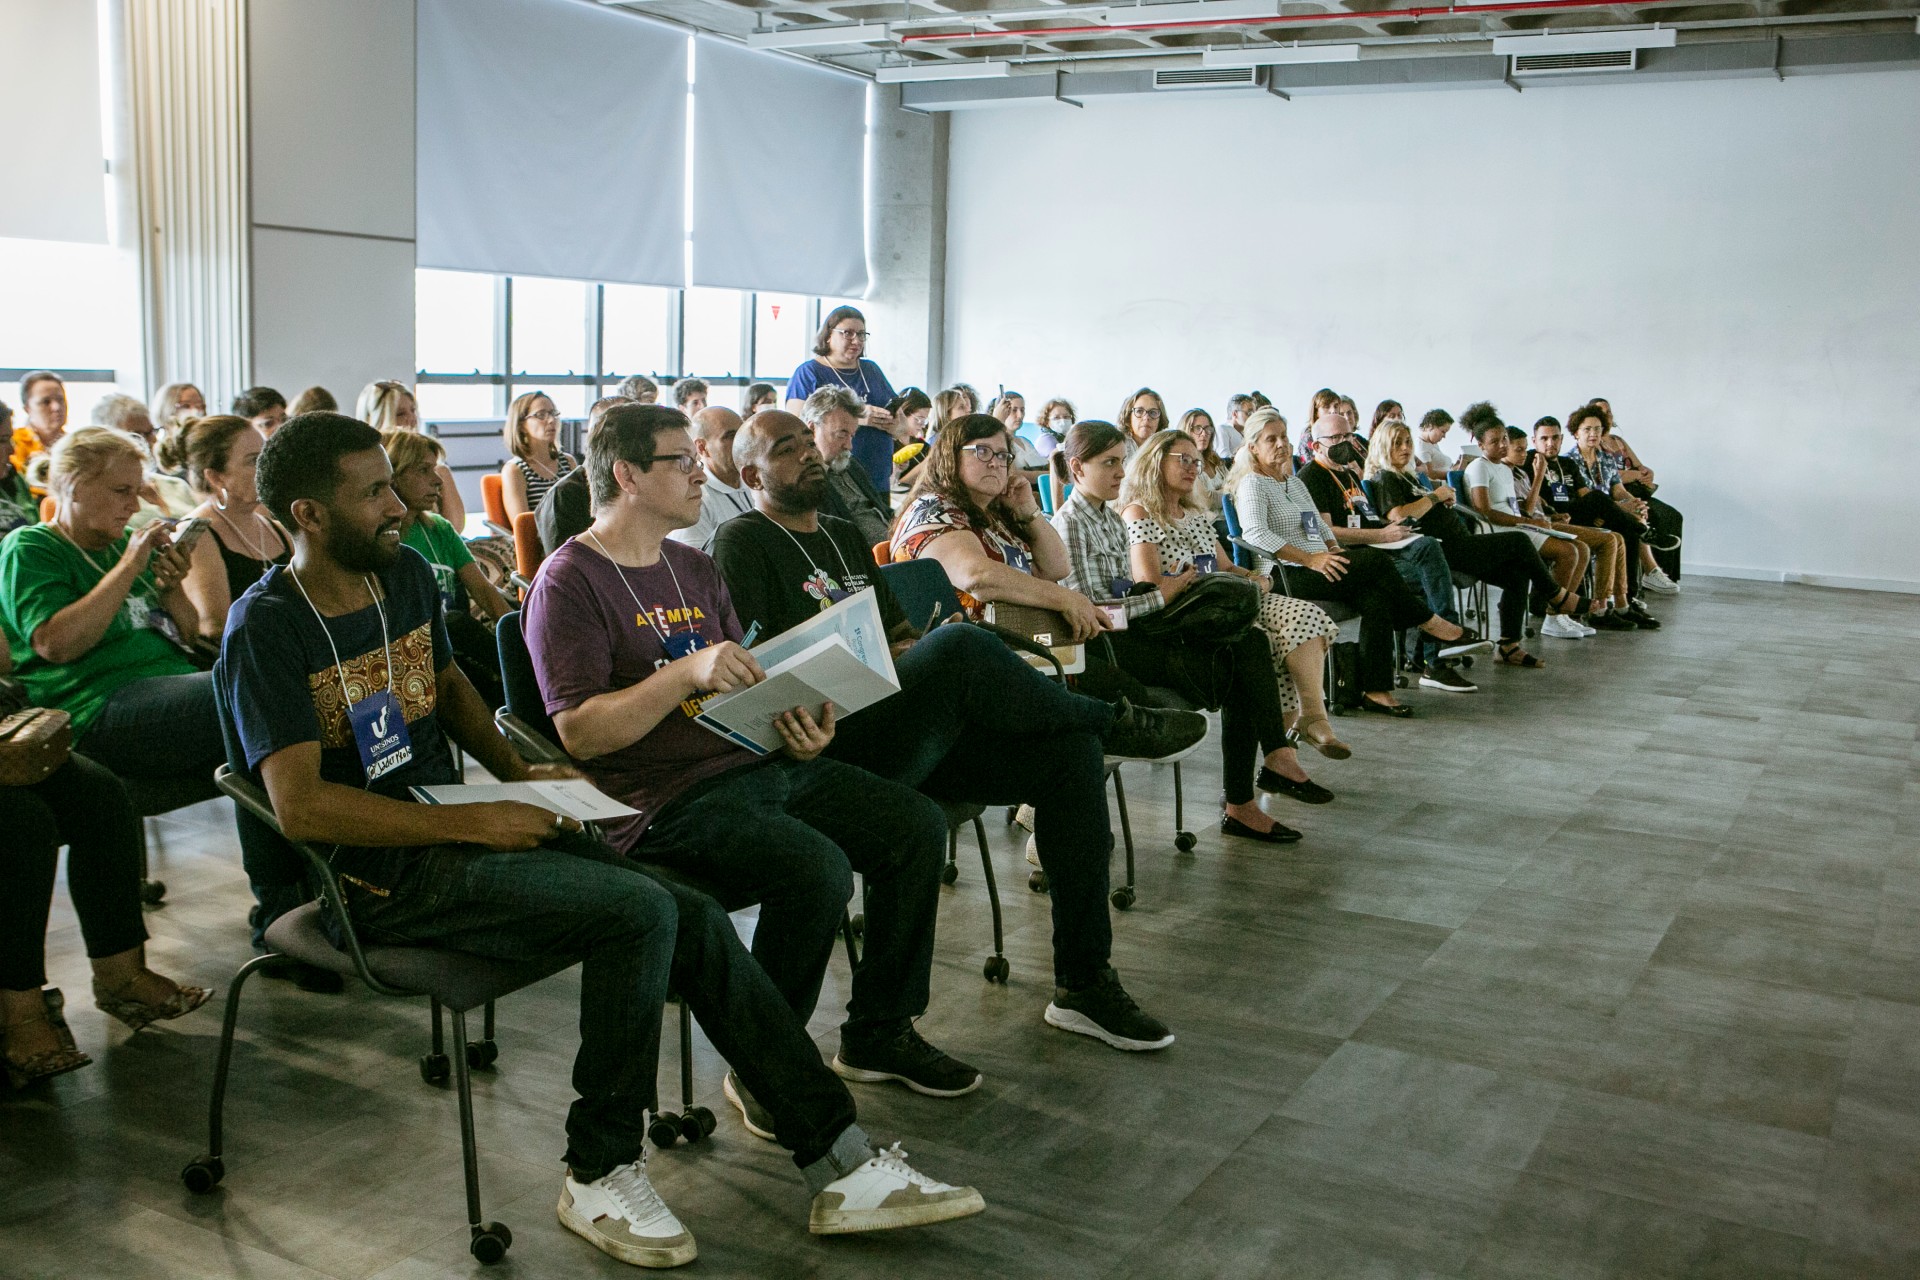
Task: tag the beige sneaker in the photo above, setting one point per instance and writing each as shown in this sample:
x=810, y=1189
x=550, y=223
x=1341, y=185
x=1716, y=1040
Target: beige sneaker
x=624, y=1217
x=886, y=1192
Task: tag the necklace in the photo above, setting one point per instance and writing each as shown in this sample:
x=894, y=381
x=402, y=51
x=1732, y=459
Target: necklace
x=245, y=541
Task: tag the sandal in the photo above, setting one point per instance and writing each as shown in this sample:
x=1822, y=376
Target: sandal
x=138, y=1013
x=1318, y=733
x=51, y=1062
x=1579, y=606
x=1513, y=655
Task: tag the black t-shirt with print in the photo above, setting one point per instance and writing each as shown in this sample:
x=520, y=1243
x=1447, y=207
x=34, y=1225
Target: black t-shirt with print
x=779, y=578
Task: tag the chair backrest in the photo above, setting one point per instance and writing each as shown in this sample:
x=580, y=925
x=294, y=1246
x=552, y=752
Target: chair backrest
x=1457, y=481
x=1043, y=489
x=1371, y=489
x=527, y=551
x=516, y=673
x=923, y=589
x=493, y=497
x=883, y=553
x=1242, y=556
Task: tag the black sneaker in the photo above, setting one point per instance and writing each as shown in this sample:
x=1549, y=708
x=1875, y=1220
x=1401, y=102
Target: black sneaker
x=1638, y=615
x=1446, y=679
x=1611, y=620
x=756, y=1118
x=1152, y=733
x=1106, y=1012
x=907, y=1058
x=1470, y=641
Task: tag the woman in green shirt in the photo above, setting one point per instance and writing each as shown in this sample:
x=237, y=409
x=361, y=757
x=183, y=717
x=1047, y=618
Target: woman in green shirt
x=96, y=617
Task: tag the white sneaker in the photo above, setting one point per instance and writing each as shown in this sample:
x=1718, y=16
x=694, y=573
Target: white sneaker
x=1560, y=627
x=1023, y=817
x=1033, y=851
x=887, y=1192
x=1657, y=580
x=624, y=1217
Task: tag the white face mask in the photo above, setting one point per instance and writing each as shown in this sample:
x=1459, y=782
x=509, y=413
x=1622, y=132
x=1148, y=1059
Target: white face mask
x=1060, y=426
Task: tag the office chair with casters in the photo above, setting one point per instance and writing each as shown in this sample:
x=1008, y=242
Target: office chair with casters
x=152, y=797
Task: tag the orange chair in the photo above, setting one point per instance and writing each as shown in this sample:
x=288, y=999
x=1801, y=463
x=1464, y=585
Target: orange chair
x=527, y=551
x=883, y=553
x=493, y=496
x=48, y=505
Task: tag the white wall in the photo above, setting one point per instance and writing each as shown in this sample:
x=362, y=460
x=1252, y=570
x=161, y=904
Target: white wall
x=1733, y=263
x=330, y=89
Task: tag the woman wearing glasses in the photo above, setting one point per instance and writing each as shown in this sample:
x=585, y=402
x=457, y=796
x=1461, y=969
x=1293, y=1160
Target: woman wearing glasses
x=839, y=360
x=532, y=434
x=1142, y=414
x=389, y=406
x=981, y=521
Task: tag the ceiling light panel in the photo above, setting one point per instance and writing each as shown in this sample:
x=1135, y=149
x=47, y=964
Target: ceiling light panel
x=1275, y=55
x=1588, y=41
x=941, y=71
x=814, y=37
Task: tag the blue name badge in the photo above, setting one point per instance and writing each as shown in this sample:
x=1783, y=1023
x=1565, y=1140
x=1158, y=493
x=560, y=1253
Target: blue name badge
x=1358, y=501
x=1016, y=558
x=1561, y=492
x=1120, y=587
x=682, y=643
x=1205, y=563
x=380, y=733
x=1310, y=525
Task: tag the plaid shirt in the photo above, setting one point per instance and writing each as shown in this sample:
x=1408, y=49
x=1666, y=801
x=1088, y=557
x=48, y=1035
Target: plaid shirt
x=1096, y=539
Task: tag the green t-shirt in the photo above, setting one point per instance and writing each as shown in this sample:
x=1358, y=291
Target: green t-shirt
x=42, y=573
x=441, y=545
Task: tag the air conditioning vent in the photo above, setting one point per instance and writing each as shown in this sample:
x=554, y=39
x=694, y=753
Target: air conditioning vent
x=1553, y=64
x=1207, y=78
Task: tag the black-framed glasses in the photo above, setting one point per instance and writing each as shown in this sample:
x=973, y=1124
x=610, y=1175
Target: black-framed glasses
x=1147, y=412
x=686, y=462
x=855, y=335
x=991, y=456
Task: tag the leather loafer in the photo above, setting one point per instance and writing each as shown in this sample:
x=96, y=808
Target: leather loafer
x=1308, y=792
x=1281, y=834
x=1399, y=710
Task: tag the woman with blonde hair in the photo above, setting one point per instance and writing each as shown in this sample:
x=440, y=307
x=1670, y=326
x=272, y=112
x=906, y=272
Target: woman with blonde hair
x=176, y=402
x=389, y=406
x=1198, y=425
x=1142, y=414
x=1170, y=533
x=532, y=433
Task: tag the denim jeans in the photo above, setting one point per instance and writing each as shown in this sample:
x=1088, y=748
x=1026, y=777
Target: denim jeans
x=161, y=727
x=789, y=835
x=1423, y=566
x=974, y=724
x=637, y=937
x=84, y=807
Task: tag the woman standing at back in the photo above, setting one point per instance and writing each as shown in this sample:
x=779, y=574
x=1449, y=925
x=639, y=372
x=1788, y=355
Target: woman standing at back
x=839, y=360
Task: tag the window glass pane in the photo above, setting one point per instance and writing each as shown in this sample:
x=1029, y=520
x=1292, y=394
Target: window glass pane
x=69, y=306
x=456, y=403
x=712, y=333
x=453, y=322
x=780, y=334
x=633, y=329
x=549, y=325
x=571, y=401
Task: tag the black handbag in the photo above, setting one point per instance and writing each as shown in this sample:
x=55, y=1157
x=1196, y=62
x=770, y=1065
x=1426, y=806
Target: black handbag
x=1212, y=613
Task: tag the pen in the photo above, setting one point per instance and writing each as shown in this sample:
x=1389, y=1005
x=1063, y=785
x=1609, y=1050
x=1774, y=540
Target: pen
x=746, y=641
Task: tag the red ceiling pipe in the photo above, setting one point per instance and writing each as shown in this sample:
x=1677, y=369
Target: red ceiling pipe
x=1423, y=11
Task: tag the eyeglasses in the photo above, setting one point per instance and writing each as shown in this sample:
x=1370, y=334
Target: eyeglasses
x=545, y=415
x=1190, y=461
x=855, y=335
x=990, y=456
x=685, y=461
x=1150, y=413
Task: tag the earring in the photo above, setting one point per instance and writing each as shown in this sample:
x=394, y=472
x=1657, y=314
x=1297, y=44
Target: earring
x=220, y=501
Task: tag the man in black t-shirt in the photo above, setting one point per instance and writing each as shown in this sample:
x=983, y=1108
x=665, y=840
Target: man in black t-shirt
x=972, y=722
x=345, y=695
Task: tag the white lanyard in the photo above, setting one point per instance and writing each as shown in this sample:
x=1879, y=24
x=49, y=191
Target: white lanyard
x=860, y=367
x=95, y=566
x=337, y=664
x=646, y=613
x=845, y=572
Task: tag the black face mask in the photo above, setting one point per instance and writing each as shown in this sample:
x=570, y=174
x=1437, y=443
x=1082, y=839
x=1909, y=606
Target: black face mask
x=1346, y=453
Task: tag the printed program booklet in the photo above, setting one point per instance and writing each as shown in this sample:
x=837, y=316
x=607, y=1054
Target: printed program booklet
x=575, y=797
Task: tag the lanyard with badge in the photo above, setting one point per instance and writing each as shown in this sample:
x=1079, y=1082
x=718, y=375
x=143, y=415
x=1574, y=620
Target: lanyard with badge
x=820, y=585
x=142, y=614
x=678, y=644
x=379, y=727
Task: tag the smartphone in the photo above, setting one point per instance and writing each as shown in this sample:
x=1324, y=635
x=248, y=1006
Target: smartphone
x=188, y=532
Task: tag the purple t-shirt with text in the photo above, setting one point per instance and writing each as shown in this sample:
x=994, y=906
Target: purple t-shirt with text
x=588, y=638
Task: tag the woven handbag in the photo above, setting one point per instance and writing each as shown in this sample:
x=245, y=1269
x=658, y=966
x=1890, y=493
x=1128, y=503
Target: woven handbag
x=33, y=743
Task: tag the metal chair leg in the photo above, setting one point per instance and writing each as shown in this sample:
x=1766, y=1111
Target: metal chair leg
x=489, y=1239
x=1123, y=897
x=996, y=968
x=152, y=892
x=1183, y=839
x=950, y=873
x=203, y=1174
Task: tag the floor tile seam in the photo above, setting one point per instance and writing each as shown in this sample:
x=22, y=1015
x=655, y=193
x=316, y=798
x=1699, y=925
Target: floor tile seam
x=1687, y=1211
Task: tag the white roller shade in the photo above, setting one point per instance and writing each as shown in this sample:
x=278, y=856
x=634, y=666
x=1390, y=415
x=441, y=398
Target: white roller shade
x=551, y=141
x=779, y=164
x=53, y=182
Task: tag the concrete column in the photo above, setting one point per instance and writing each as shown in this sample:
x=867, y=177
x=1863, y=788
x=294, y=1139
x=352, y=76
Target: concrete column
x=906, y=306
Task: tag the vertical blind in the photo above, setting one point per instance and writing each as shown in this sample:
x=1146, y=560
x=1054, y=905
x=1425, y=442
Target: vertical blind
x=779, y=169
x=551, y=141
x=53, y=182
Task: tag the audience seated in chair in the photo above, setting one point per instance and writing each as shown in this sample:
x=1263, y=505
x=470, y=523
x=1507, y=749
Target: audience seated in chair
x=722, y=497
x=390, y=406
x=82, y=806
x=1561, y=495
x=629, y=631
x=218, y=455
x=568, y=508
x=536, y=462
x=43, y=399
x=1239, y=676
x=833, y=413
x=264, y=408
x=357, y=612
x=972, y=721
x=1660, y=549
x=166, y=496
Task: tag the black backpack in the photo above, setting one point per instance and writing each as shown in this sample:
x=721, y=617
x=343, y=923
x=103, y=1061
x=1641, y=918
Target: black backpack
x=1346, y=692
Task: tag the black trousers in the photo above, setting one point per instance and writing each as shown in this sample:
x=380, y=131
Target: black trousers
x=1602, y=512
x=1509, y=561
x=1251, y=720
x=1664, y=519
x=1386, y=603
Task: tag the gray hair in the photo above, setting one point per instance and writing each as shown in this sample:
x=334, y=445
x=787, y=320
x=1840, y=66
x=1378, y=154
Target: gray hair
x=826, y=400
x=635, y=385
x=117, y=410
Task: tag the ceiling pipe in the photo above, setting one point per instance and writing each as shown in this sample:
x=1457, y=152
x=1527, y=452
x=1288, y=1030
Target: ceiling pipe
x=1291, y=19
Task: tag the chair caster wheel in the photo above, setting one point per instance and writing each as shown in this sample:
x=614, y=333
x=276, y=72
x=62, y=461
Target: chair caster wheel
x=153, y=892
x=702, y=1119
x=1466, y=659
x=482, y=1054
x=665, y=1129
x=1121, y=898
x=1400, y=682
x=996, y=969
x=1037, y=881
x=858, y=923
x=203, y=1175
x=1184, y=841
x=434, y=1068
x=490, y=1243
x=950, y=873
x=690, y=1130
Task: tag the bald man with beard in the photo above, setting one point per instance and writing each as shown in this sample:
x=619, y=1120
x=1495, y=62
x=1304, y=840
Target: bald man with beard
x=723, y=498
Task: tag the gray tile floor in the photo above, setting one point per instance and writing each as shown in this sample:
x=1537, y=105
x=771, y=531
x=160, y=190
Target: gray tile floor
x=1608, y=970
